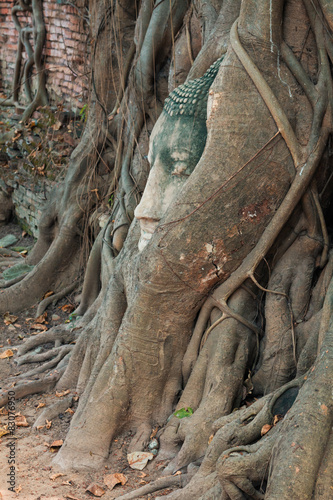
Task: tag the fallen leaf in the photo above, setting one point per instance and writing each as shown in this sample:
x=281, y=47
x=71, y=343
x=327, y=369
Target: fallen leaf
x=142, y=474
x=112, y=479
x=142, y=482
x=68, y=308
x=178, y=473
x=210, y=438
x=63, y=393
x=265, y=428
x=8, y=353
x=48, y=423
x=18, y=489
x=21, y=421
x=70, y=411
x=154, y=432
x=37, y=326
x=9, y=319
x=96, y=490
x=48, y=294
x=3, y=432
x=39, y=427
x=57, y=444
x=139, y=459
x=66, y=483
x=42, y=318
x=54, y=476
x=40, y=405
x=57, y=125
x=277, y=419
x=71, y=497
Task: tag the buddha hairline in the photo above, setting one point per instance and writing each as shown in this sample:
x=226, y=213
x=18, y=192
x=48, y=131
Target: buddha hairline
x=191, y=97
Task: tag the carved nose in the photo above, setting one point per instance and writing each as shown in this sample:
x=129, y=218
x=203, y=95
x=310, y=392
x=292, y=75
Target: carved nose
x=150, y=206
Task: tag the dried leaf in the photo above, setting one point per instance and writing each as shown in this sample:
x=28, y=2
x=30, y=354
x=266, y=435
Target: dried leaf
x=54, y=476
x=3, y=431
x=265, y=428
x=71, y=497
x=39, y=427
x=37, y=326
x=56, y=125
x=18, y=489
x=68, y=308
x=112, y=479
x=48, y=294
x=70, y=411
x=277, y=419
x=9, y=319
x=57, y=444
x=42, y=318
x=139, y=459
x=21, y=421
x=8, y=353
x=48, y=423
x=67, y=483
x=210, y=438
x=154, y=432
x=40, y=405
x=96, y=490
x=178, y=473
x=63, y=393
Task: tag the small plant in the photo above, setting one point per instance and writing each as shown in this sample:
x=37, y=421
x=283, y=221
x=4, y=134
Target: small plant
x=184, y=412
x=84, y=113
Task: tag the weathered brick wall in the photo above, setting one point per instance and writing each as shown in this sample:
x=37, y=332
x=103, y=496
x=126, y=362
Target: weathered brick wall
x=66, y=50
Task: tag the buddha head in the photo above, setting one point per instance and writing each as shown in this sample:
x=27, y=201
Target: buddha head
x=175, y=147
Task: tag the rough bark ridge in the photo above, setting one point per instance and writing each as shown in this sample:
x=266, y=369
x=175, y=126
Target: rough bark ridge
x=233, y=294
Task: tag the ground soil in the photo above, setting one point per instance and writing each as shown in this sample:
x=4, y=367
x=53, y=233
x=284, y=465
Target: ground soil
x=35, y=472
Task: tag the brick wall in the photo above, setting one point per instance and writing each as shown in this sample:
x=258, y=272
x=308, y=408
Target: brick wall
x=66, y=50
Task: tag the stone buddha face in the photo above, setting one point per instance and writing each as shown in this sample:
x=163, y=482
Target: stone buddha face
x=175, y=147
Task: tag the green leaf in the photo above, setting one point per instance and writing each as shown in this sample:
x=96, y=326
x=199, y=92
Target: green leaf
x=184, y=412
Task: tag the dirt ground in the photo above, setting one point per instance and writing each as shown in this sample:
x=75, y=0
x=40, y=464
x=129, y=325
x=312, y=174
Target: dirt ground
x=35, y=477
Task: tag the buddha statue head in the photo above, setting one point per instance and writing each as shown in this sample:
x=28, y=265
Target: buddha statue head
x=175, y=147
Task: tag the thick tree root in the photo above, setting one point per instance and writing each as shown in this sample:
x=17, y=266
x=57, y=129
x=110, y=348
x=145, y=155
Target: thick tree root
x=52, y=411
x=53, y=299
x=179, y=480
x=58, y=335
x=60, y=352
x=215, y=386
x=32, y=387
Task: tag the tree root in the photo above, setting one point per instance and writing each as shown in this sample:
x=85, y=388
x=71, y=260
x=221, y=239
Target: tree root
x=242, y=467
x=55, y=298
x=32, y=387
x=52, y=411
x=179, y=480
x=59, y=352
x=218, y=376
x=57, y=335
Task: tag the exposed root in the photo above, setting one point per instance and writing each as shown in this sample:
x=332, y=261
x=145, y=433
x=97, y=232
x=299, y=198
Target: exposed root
x=61, y=353
x=179, y=480
x=52, y=411
x=32, y=387
x=57, y=334
x=54, y=298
